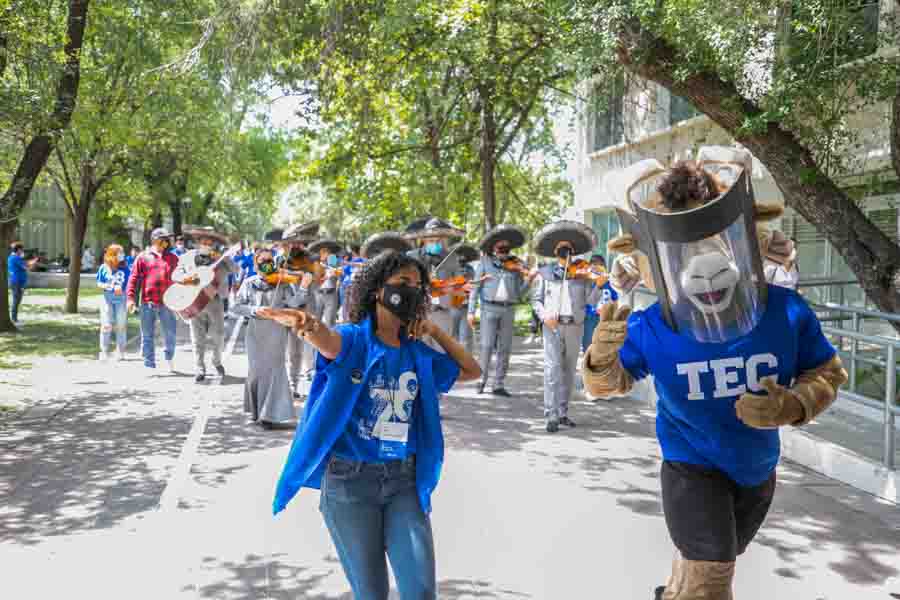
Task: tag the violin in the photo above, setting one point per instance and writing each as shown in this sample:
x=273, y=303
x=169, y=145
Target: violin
x=514, y=264
x=281, y=277
x=581, y=269
x=442, y=287
x=303, y=264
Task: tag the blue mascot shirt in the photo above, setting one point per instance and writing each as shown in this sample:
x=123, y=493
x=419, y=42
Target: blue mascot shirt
x=338, y=388
x=698, y=383
x=382, y=424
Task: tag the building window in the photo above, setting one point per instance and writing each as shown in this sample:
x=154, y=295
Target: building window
x=607, y=114
x=605, y=224
x=680, y=109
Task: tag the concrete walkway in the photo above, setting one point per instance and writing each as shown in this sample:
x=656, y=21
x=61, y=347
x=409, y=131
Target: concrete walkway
x=119, y=484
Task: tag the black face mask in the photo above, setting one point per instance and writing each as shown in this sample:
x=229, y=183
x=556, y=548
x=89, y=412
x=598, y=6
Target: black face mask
x=297, y=253
x=564, y=252
x=402, y=300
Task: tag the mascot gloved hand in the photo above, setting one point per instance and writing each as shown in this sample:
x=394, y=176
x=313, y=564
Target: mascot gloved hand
x=603, y=374
x=813, y=392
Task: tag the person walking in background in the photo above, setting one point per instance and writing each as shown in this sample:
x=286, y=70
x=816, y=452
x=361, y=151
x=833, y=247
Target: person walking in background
x=17, y=274
x=88, y=262
x=179, y=248
x=112, y=278
x=780, y=261
x=132, y=256
x=151, y=277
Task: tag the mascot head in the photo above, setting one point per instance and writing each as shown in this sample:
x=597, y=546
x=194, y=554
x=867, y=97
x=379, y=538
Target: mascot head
x=692, y=234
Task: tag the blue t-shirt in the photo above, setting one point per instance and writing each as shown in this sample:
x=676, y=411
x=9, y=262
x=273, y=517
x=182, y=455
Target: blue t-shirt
x=607, y=295
x=382, y=425
x=698, y=383
x=16, y=269
x=106, y=276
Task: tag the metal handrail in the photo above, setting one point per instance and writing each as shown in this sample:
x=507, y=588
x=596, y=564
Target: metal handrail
x=871, y=314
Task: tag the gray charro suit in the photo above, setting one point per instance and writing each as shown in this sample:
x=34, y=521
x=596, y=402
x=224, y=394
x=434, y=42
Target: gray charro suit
x=499, y=295
x=562, y=345
x=440, y=307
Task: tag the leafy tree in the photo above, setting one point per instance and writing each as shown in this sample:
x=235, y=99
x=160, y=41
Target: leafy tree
x=30, y=39
x=789, y=81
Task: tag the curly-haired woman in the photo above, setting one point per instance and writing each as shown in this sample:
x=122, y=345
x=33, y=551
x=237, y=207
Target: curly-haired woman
x=371, y=436
x=112, y=277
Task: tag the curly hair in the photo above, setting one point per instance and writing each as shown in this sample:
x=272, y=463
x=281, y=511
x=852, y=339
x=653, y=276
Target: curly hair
x=111, y=256
x=372, y=277
x=687, y=186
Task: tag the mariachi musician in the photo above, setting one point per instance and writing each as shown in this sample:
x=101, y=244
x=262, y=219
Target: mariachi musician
x=382, y=242
x=447, y=276
x=325, y=252
x=462, y=329
x=559, y=295
x=208, y=327
x=296, y=260
x=501, y=280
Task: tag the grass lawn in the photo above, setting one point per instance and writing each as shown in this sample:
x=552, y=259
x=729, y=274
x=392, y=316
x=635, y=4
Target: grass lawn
x=48, y=331
x=83, y=292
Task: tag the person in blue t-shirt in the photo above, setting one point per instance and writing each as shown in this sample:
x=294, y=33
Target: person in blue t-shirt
x=733, y=359
x=17, y=274
x=371, y=434
x=112, y=278
x=607, y=295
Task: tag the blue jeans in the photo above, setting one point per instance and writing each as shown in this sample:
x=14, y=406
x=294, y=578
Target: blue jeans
x=113, y=319
x=149, y=314
x=18, y=290
x=371, y=508
x=590, y=323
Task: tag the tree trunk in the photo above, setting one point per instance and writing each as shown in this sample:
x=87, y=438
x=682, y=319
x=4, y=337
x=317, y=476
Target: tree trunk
x=7, y=231
x=175, y=207
x=870, y=254
x=80, y=213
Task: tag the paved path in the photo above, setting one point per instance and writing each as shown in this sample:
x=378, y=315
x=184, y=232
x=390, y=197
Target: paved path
x=113, y=488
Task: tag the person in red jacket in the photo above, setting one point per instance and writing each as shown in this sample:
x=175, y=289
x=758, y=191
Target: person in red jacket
x=150, y=278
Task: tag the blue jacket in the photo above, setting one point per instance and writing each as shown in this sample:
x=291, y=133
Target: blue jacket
x=336, y=389
x=17, y=271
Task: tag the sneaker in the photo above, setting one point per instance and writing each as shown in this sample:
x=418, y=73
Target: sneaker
x=552, y=426
x=103, y=357
x=170, y=364
x=567, y=422
x=120, y=356
x=658, y=592
x=220, y=370
x=502, y=392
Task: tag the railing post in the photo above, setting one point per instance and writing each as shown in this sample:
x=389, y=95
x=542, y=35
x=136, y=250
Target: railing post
x=854, y=348
x=889, y=396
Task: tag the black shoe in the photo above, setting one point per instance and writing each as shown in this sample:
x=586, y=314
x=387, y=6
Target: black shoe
x=502, y=392
x=199, y=377
x=658, y=592
x=297, y=394
x=552, y=426
x=267, y=425
x=220, y=370
x=567, y=422
x=480, y=388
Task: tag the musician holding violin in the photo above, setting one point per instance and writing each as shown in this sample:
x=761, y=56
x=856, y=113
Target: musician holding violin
x=447, y=277
x=559, y=295
x=500, y=282
x=267, y=392
x=208, y=326
x=296, y=262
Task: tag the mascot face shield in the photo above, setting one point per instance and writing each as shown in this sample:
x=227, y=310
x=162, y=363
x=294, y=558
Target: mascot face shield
x=705, y=258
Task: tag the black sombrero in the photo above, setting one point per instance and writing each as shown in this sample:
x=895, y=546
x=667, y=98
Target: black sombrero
x=466, y=253
x=209, y=232
x=582, y=237
x=274, y=235
x=502, y=233
x=388, y=240
x=435, y=227
x=330, y=245
x=417, y=224
x=305, y=232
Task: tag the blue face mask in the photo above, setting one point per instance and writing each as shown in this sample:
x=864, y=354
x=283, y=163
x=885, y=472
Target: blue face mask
x=332, y=261
x=434, y=248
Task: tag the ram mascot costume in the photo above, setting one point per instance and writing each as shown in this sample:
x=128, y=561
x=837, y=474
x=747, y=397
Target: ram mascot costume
x=733, y=358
